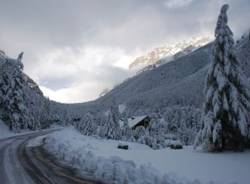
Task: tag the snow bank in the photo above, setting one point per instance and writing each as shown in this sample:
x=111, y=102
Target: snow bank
x=99, y=159
x=140, y=164
x=38, y=141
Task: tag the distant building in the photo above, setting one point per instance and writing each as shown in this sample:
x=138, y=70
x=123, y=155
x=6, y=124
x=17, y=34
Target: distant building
x=137, y=121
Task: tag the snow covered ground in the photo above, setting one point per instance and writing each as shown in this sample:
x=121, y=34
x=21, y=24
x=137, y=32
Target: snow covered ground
x=4, y=130
x=141, y=164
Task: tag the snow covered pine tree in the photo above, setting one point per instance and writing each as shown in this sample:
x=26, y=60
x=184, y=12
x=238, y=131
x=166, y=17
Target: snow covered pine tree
x=111, y=129
x=12, y=95
x=227, y=107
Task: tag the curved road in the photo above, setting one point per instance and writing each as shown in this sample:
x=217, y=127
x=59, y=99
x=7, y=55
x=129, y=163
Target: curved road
x=20, y=164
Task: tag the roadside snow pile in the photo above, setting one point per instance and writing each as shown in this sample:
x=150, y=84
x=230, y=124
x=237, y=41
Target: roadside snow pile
x=102, y=160
x=79, y=151
x=38, y=141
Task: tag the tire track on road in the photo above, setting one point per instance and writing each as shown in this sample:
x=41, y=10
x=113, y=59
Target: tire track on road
x=3, y=175
x=20, y=164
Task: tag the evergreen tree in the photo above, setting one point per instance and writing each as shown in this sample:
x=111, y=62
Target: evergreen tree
x=19, y=60
x=127, y=132
x=112, y=126
x=227, y=107
x=115, y=113
x=12, y=96
x=89, y=125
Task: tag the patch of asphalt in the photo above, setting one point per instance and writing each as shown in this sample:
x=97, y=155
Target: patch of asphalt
x=26, y=165
x=44, y=168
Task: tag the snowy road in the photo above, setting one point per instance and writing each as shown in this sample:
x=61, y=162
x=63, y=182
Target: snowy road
x=20, y=164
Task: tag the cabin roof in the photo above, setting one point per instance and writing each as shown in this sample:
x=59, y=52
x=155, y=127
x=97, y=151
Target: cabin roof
x=133, y=121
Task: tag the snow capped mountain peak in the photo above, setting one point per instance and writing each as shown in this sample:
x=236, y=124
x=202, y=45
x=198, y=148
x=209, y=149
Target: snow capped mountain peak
x=168, y=52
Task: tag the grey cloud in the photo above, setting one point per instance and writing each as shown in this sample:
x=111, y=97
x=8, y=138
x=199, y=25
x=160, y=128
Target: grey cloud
x=40, y=27
x=135, y=23
x=107, y=75
x=104, y=74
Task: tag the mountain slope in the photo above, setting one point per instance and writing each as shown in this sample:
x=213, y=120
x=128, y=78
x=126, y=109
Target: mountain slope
x=179, y=82
x=161, y=81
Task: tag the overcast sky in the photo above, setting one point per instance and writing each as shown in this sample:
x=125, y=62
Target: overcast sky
x=76, y=48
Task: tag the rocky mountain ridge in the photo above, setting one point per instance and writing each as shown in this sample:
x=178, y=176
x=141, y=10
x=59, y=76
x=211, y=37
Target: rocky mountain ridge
x=165, y=53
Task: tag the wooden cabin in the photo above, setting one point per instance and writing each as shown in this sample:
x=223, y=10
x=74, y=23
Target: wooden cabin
x=137, y=121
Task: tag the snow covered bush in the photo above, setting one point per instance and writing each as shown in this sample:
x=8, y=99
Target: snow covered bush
x=227, y=106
